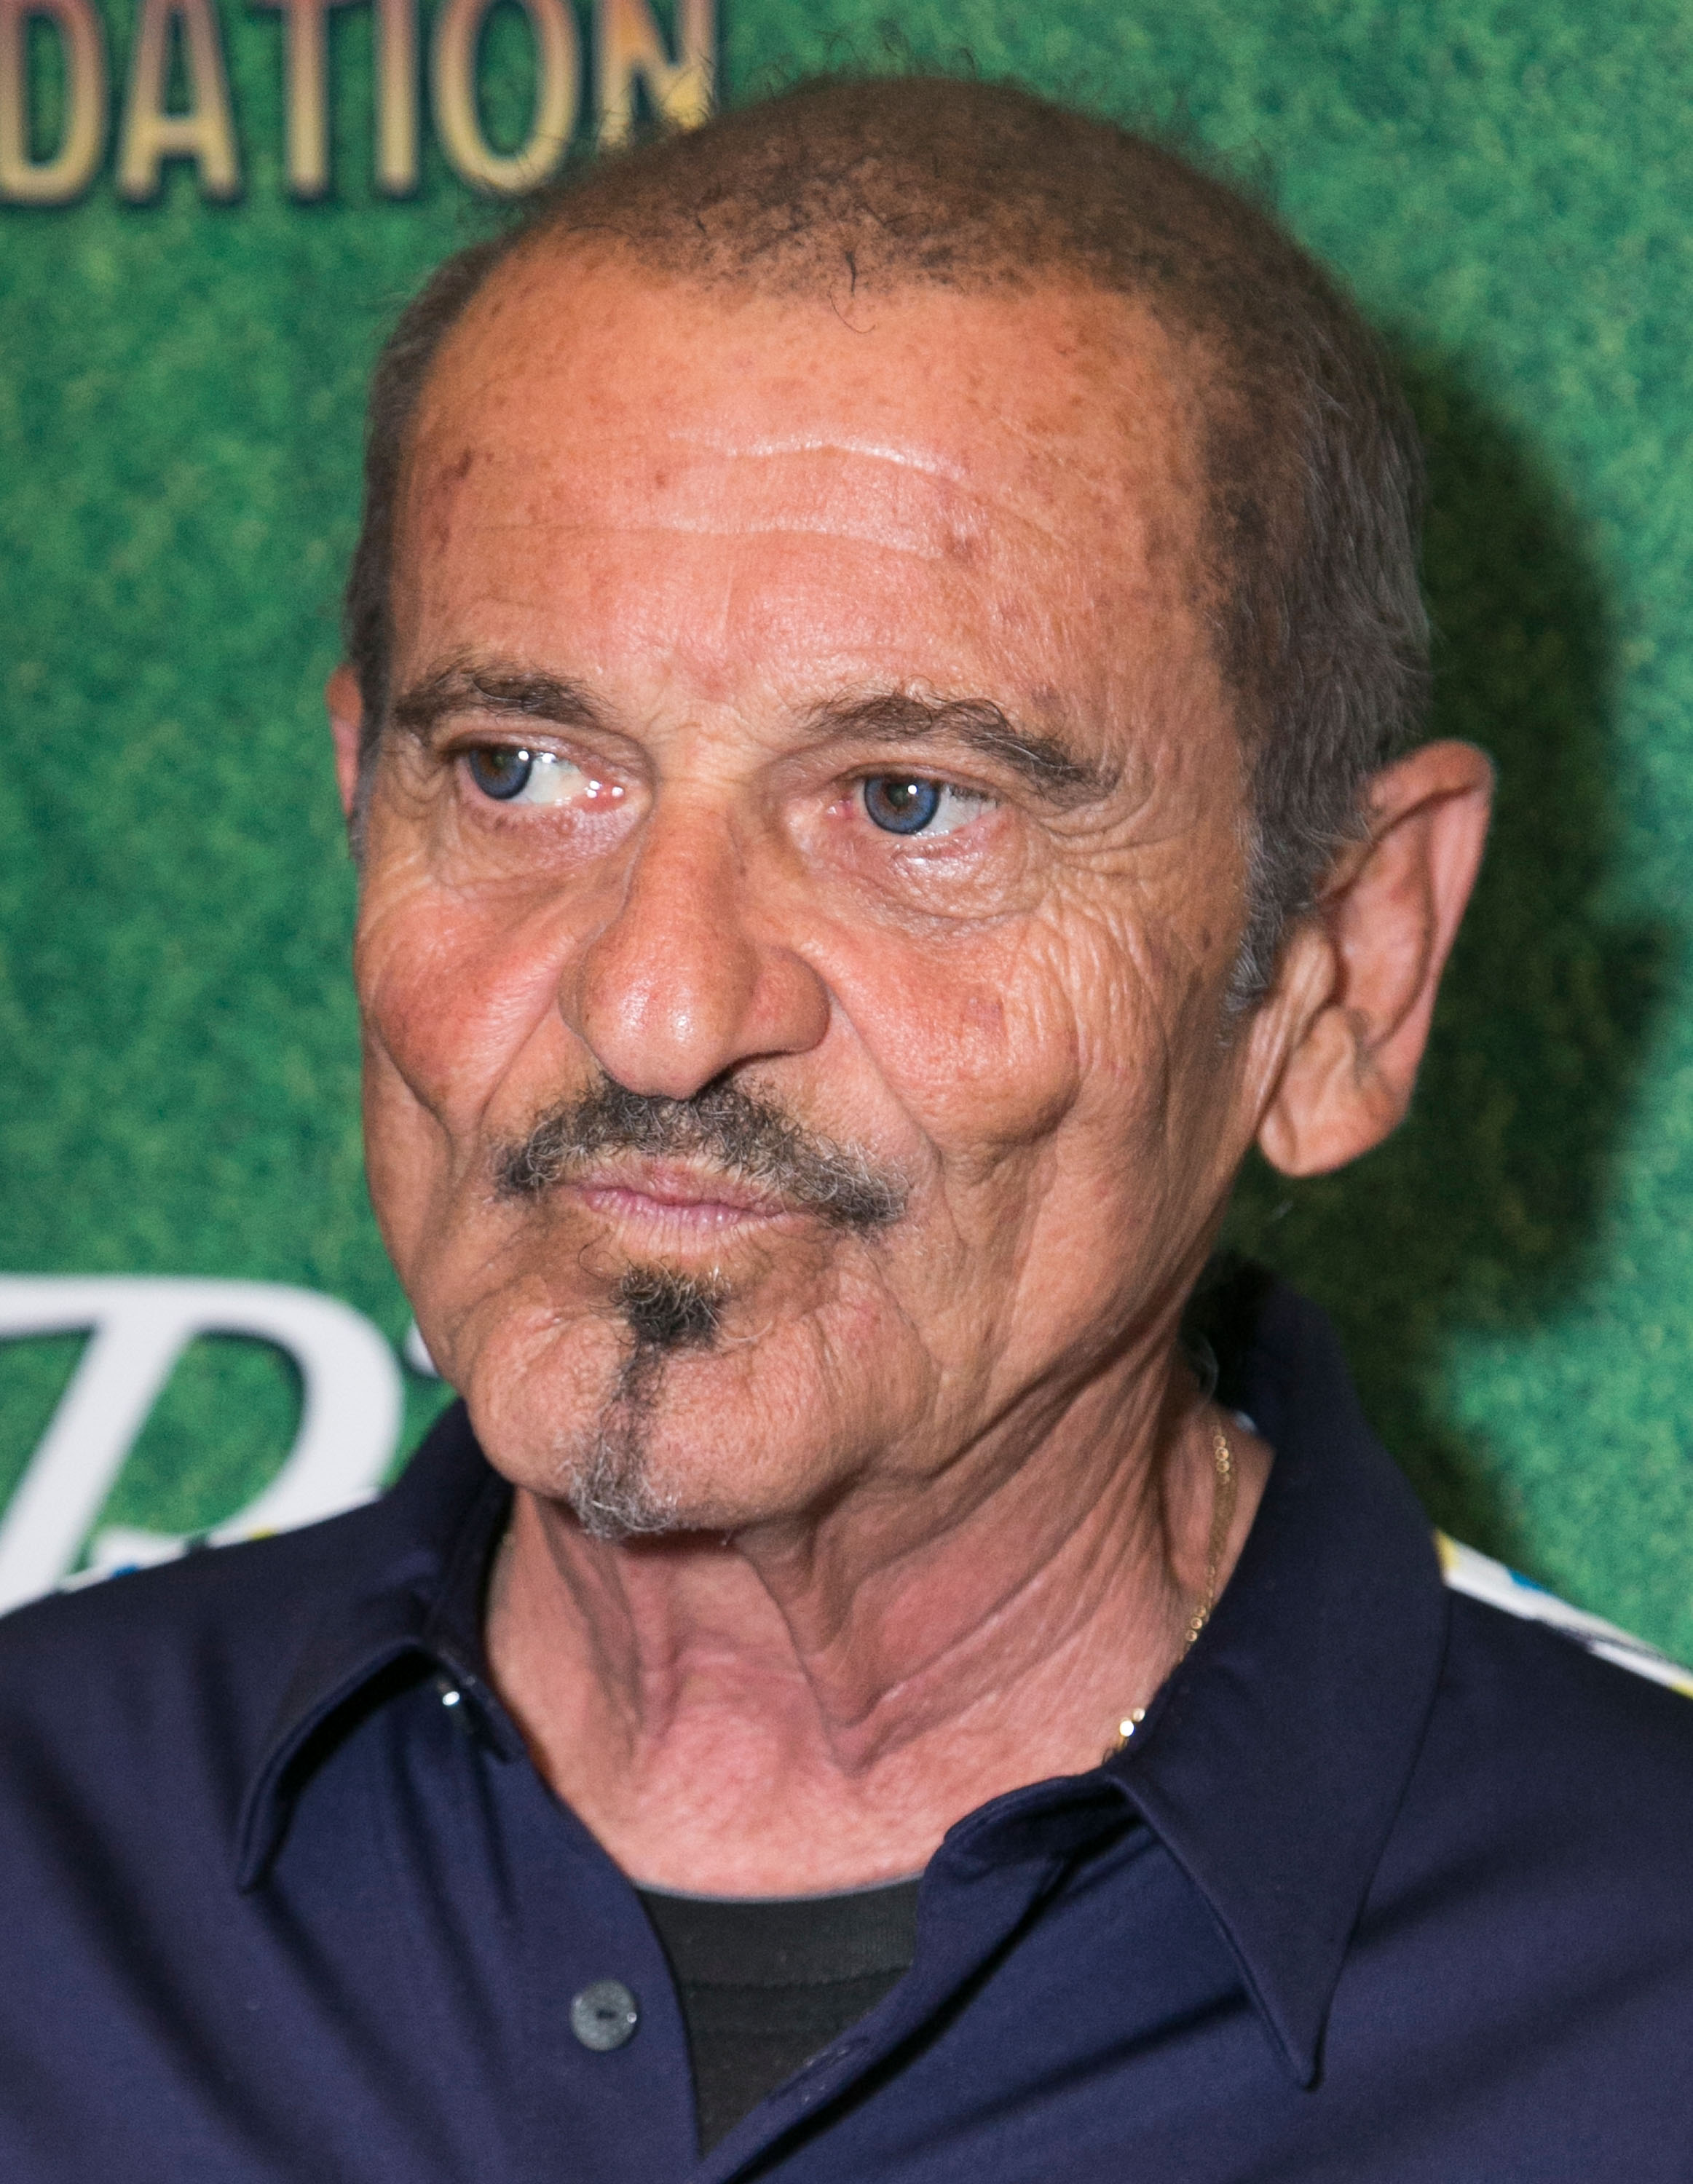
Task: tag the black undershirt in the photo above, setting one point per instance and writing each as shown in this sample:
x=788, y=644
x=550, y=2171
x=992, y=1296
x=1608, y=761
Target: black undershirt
x=766, y=1982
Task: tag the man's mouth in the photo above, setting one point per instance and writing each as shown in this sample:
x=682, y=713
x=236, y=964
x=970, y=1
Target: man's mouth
x=674, y=1196
x=702, y=1166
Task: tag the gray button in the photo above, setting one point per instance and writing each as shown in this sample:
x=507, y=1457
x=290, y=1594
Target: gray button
x=604, y=2016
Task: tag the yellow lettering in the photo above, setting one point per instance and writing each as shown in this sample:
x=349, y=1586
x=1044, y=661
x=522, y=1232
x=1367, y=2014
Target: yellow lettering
x=68, y=171
x=306, y=99
x=458, y=116
x=629, y=49
x=151, y=135
x=396, y=36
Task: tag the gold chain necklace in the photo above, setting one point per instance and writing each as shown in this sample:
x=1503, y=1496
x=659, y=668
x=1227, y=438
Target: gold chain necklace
x=1223, y=1490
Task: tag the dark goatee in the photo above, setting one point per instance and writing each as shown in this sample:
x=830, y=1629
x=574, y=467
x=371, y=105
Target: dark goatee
x=666, y=1308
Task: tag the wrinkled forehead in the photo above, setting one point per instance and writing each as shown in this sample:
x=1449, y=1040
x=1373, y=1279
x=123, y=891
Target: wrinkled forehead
x=1040, y=443
x=1070, y=402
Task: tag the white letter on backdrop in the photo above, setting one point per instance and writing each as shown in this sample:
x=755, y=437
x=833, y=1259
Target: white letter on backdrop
x=349, y=1417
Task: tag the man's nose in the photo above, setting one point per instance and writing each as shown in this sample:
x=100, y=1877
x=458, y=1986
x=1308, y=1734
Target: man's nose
x=686, y=978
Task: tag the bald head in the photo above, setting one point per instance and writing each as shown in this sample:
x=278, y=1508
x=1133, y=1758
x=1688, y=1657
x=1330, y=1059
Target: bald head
x=1305, y=462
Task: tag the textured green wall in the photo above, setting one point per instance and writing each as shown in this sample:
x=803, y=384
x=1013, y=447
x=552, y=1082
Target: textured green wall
x=1507, y=189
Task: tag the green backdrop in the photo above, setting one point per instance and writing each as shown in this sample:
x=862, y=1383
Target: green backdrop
x=1507, y=188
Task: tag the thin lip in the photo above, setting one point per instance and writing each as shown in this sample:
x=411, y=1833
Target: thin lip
x=675, y=1187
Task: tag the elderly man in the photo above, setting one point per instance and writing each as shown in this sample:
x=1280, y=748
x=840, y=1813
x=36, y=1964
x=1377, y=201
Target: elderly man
x=882, y=661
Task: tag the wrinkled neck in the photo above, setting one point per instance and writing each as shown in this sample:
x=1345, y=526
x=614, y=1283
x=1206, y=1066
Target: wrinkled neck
x=812, y=1703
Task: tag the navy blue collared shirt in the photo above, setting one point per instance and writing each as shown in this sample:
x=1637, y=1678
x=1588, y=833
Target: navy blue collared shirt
x=1391, y=1885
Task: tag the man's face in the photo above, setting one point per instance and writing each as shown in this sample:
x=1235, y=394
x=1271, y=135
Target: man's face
x=801, y=883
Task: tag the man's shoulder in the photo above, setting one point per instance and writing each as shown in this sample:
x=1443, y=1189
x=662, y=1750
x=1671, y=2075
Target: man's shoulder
x=1479, y=1578
x=222, y=1634
x=219, y=1633
x=1560, y=1718
x=1537, y=1857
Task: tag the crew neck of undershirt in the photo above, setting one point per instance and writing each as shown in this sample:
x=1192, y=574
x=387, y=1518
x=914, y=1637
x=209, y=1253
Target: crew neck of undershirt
x=765, y=1982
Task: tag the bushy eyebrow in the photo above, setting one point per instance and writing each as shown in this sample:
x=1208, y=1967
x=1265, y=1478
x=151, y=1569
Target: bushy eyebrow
x=1049, y=766
x=522, y=692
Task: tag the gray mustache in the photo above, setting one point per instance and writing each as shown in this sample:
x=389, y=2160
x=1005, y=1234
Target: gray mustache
x=736, y=1132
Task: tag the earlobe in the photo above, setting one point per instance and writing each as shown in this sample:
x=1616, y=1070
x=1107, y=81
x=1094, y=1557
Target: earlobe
x=346, y=725
x=1370, y=968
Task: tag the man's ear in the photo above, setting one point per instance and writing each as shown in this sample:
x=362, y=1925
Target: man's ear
x=1367, y=965
x=346, y=725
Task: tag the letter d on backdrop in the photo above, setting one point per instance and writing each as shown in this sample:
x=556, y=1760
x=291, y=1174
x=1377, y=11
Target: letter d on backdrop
x=65, y=173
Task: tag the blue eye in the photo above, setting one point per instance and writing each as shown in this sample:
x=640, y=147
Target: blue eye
x=512, y=775
x=501, y=771
x=900, y=807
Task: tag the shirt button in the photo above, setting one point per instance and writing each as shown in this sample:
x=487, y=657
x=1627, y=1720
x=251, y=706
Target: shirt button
x=604, y=2015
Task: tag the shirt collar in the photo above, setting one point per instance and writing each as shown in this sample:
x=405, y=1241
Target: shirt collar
x=1271, y=1765
x=1274, y=1760
x=415, y=1575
